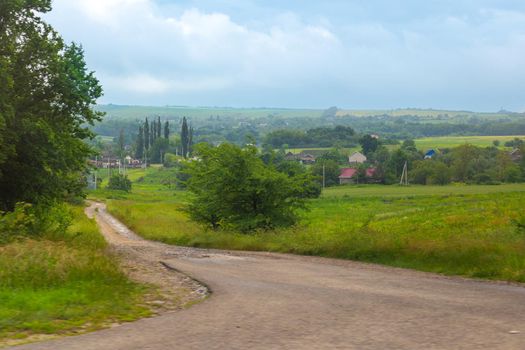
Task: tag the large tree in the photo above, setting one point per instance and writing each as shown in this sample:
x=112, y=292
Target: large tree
x=233, y=188
x=46, y=100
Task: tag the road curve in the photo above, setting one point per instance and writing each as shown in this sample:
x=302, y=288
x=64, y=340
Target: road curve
x=277, y=301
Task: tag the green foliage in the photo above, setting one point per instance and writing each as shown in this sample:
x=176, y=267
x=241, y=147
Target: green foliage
x=28, y=220
x=157, y=150
x=185, y=138
x=171, y=160
x=233, y=188
x=430, y=172
x=331, y=172
x=16, y=223
x=316, y=137
x=46, y=100
x=119, y=182
x=369, y=144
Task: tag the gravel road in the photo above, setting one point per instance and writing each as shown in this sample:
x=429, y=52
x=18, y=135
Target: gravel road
x=277, y=301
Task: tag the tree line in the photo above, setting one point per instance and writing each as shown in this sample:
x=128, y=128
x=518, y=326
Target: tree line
x=152, y=140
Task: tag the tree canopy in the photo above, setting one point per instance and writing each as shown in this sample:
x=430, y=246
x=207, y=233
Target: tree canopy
x=46, y=100
x=234, y=188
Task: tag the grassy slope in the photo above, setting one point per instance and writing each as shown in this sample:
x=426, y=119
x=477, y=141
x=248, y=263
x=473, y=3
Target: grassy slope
x=58, y=284
x=462, y=230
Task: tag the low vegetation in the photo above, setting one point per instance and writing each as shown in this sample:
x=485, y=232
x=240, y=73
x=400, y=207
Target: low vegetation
x=469, y=230
x=62, y=282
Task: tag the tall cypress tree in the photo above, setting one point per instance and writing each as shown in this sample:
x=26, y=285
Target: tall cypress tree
x=121, y=144
x=166, y=130
x=153, y=130
x=184, y=137
x=159, y=128
x=146, y=134
x=139, y=150
x=152, y=133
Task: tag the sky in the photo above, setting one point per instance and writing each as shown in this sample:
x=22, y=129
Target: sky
x=381, y=54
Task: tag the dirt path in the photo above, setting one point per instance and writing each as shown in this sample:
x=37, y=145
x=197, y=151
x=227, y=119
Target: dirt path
x=274, y=301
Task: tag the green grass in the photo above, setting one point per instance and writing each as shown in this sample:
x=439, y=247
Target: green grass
x=63, y=284
x=454, y=141
x=456, y=229
x=364, y=191
x=426, y=143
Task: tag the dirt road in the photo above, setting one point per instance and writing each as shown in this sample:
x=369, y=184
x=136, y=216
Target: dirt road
x=272, y=301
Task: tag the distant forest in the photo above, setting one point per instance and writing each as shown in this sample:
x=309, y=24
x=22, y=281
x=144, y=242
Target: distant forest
x=216, y=125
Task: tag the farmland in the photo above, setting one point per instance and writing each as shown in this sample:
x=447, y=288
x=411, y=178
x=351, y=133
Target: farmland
x=458, y=230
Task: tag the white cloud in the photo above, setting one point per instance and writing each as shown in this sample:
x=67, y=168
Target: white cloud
x=140, y=48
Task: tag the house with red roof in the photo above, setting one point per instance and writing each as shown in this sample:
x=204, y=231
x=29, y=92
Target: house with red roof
x=351, y=176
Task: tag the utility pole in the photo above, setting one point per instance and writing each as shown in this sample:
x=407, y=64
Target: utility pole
x=404, y=175
x=96, y=170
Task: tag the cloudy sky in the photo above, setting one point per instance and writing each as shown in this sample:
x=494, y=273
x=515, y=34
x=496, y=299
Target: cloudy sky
x=457, y=54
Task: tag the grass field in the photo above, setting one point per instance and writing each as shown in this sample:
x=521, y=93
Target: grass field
x=64, y=284
x=424, y=144
x=457, y=230
x=454, y=141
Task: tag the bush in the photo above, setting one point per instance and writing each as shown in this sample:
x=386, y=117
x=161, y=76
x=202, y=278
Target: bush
x=16, y=223
x=119, y=182
x=28, y=220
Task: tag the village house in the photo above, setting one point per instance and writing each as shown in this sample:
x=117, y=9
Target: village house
x=305, y=157
x=357, y=158
x=350, y=176
x=430, y=153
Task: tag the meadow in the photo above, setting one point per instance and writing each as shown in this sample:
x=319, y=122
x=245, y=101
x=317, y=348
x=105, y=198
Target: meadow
x=454, y=141
x=455, y=230
x=426, y=143
x=63, y=284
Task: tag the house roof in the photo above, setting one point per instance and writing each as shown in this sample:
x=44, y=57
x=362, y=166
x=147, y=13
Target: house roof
x=370, y=172
x=347, y=173
x=357, y=157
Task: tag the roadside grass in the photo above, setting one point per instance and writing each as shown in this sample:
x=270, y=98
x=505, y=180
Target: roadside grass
x=65, y=284
x=454, y=230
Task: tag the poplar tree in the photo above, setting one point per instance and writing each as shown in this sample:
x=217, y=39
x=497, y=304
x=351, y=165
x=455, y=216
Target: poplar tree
x=184, y=137
x=159, y=128
x=121, y=144
x=139, y=151
x=146, y=134
x=152, y=133
x=166, y=130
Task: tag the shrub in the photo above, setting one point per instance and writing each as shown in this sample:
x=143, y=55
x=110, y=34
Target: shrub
x=16, y=223
x=29, y=220
x=119, y=182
